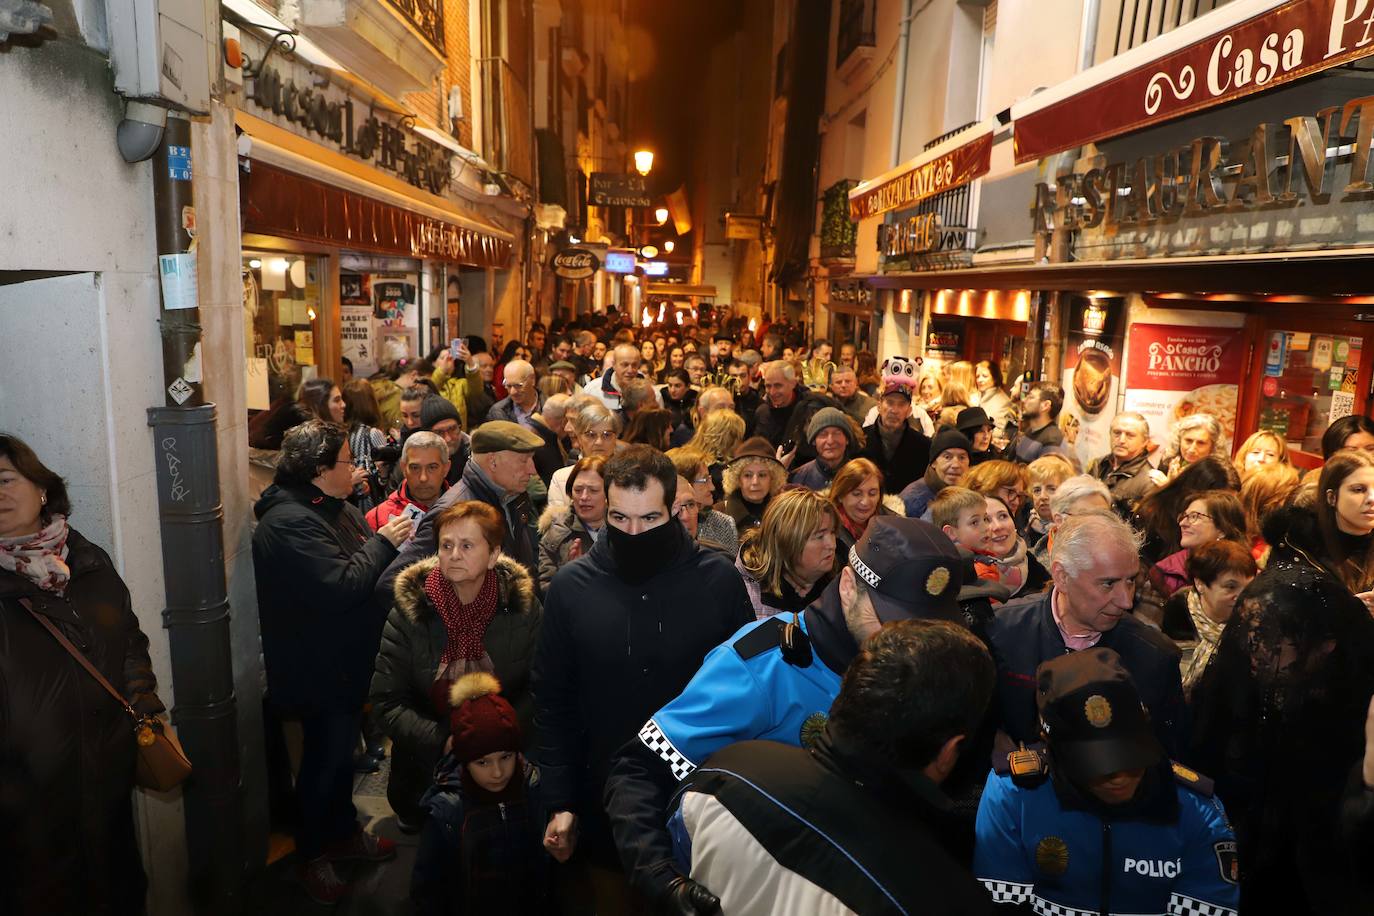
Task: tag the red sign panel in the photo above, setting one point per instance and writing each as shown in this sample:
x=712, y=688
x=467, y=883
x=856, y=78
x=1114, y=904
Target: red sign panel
x=959, y=166
x=1172, y=358
x=1284, y=44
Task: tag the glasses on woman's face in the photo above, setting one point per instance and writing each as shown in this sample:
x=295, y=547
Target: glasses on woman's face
x=1192, y=518
x=686, y=507
x=603, y=436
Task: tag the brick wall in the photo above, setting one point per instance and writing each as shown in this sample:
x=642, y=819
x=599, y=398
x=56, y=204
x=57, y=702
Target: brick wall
x=432, y=105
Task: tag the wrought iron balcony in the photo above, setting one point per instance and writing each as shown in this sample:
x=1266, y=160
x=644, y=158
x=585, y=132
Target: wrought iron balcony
x=427, y=16
x=856, y=29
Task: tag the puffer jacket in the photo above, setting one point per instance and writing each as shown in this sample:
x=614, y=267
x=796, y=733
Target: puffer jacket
x=412, y=644
x=67, y=749
x=559, y=530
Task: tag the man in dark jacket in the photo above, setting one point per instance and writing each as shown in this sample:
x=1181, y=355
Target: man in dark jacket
x=900, y=452
x=497, y=474
x=787, y=409
x=624, y=629
x=1126, y=469
x=831, y=433
x=766, y=822
x=316, y=564
x=1093, y=562
x=520, y=406
x=773, y=680
x=1039, y=418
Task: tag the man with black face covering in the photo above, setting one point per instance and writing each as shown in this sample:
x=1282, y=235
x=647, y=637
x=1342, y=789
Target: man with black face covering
x=624, y=629
x=776, y=680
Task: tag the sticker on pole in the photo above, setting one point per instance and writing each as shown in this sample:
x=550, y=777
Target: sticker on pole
x=179, y=287
x=180, y=390
x=179, y=163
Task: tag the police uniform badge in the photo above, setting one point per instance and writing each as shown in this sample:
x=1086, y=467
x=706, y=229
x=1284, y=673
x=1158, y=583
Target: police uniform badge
x=1227, y=861
x=812, y=729
x=1052, y=856
x=937, y=581
x=1098, y=711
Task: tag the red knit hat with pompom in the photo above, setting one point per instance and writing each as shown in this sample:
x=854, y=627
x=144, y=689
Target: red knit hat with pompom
x=482, y=722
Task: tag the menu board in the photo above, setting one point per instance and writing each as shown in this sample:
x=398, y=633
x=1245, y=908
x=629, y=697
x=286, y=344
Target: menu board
x=1174, y=371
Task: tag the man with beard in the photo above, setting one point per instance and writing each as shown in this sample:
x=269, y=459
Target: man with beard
x=774, y=679
x=1102, y=823
x=625, y=627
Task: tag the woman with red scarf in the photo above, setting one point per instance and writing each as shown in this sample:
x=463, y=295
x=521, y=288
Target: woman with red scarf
x=469, y=608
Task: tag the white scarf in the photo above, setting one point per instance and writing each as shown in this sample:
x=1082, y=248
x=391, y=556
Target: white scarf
x=40, y=557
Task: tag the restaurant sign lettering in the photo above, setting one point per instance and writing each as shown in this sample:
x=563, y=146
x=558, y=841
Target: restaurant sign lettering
x=925, y=179
x=1286, y=43
x=1312, y=159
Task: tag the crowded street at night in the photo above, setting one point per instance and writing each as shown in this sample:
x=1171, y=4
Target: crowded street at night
x=687, y=457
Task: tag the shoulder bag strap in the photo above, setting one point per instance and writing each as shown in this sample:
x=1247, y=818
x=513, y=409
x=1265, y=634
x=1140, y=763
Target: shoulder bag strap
x=79, y=656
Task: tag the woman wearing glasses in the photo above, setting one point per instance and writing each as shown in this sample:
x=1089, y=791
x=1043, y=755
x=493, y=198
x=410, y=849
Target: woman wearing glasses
x=595, y=431
x=713, y=529
x=1213, y=515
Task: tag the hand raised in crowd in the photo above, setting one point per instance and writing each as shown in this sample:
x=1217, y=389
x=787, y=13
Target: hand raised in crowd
x=464, y=355
x=444, y=361
x=560, y=837
x=359, y=478
x=787, y=457
x=398, y=530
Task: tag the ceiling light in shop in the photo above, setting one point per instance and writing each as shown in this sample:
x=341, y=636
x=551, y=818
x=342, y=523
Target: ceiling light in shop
x=255, y=263
x=280, y=265
x=298, y=273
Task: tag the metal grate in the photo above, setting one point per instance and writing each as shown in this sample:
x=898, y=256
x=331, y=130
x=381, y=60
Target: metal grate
x=947, y=134
x=1138, y=21
x=856, y=29
x=427, y=16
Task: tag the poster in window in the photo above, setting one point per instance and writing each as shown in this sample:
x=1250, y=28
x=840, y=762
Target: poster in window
x=1092, y=372
x=392, y=299
x=355, y=289
x=355, y=333
x=1174, y=371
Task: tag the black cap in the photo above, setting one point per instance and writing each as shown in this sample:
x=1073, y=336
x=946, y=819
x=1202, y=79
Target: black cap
x=947, y=439
x=910, y=567
x=1092, y=717
x=436, y=409
x=971, y=418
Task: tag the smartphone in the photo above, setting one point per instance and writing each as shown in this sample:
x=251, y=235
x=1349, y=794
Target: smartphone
x=453, y=346
x=789, y=445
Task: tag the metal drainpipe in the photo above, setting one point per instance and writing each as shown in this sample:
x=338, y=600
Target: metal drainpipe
x=190, y=516
x=899, y=103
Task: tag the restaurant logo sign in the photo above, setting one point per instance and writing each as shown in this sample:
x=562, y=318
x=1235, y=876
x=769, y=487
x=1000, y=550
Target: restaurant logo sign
x=1277, y=166
x=920, y=234
x=1291, y=41
x=956, y=167
x=358, y=133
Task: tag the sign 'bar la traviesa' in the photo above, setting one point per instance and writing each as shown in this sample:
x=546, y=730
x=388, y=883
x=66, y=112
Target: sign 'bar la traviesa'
x=1277, y=166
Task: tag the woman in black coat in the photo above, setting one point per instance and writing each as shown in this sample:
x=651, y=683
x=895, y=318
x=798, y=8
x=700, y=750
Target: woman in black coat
x=67, y=749
x=317, y=564
x=418, y=661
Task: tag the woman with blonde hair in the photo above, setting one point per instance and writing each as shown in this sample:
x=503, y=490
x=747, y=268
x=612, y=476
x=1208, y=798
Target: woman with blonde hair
x=717, y=436
x=1267, y=488
x=960, y=373
x=752, y=478
x=1262, y=448
x=857, y=495
x=930, y=390
x=787, y=561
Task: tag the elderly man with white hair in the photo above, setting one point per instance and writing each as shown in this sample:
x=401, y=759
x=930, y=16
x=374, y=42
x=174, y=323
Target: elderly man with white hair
x=1074, y=496
x=787, y=409
x=607, y=386
x=708, y=402
x=1094, y=562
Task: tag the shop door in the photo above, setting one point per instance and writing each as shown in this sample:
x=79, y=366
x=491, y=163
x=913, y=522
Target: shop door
x=1305, y=373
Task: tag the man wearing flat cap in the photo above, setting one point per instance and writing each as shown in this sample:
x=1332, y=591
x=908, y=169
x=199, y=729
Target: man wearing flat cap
x=775, y=679
x=500, y=469
x=1101, y=821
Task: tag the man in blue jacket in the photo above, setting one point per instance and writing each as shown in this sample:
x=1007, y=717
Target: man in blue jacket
x=1102, y=822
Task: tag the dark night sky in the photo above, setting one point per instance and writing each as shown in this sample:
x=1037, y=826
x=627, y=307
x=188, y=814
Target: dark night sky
x=668, y=41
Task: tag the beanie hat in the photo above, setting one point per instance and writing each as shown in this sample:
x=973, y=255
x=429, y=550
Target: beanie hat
x=947, y=439
x=825, y=418
x=481, y=721
x=434, y=409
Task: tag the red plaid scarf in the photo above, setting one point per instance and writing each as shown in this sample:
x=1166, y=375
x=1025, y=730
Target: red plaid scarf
x=465, y=624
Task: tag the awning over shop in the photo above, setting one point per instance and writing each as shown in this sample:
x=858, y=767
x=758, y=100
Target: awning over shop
x=1241, y=48
x=300, y=190
x=958, y=160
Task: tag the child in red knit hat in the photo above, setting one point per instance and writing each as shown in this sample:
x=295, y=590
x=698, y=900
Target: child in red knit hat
x=481, y=850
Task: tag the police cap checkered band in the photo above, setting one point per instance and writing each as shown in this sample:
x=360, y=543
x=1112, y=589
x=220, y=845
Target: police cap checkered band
x=910, y=569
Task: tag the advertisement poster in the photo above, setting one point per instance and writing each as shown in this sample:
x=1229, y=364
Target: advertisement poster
x=1175, y=371
x=355, y=331
x=1092, y=372
x=392, y=299
x=355, y=289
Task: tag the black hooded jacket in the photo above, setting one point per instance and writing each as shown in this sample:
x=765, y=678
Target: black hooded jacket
x=611, y=653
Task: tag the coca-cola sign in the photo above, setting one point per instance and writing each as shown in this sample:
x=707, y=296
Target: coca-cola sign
x=575, y=264
x=1286, y=43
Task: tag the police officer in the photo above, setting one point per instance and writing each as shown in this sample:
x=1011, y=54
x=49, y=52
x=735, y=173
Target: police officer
x=775, y=679
x=1101, y=822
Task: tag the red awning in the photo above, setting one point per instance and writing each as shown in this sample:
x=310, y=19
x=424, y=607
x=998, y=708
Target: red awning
x=1239, y=49
x=960, y=159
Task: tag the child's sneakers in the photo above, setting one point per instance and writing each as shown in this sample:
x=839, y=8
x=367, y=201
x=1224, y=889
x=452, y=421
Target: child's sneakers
x=321, y=882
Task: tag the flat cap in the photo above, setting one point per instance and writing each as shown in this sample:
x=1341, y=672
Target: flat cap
x=504, y=436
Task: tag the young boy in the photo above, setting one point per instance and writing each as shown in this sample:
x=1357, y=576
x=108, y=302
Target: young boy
x=962, y=514
x=481, y=850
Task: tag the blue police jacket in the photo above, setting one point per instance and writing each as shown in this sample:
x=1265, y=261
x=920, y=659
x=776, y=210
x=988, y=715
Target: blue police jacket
x=744, y=690
x=1033, y=850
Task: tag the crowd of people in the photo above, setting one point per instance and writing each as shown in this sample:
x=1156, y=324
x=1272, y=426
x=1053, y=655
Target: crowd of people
x=692, y=620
